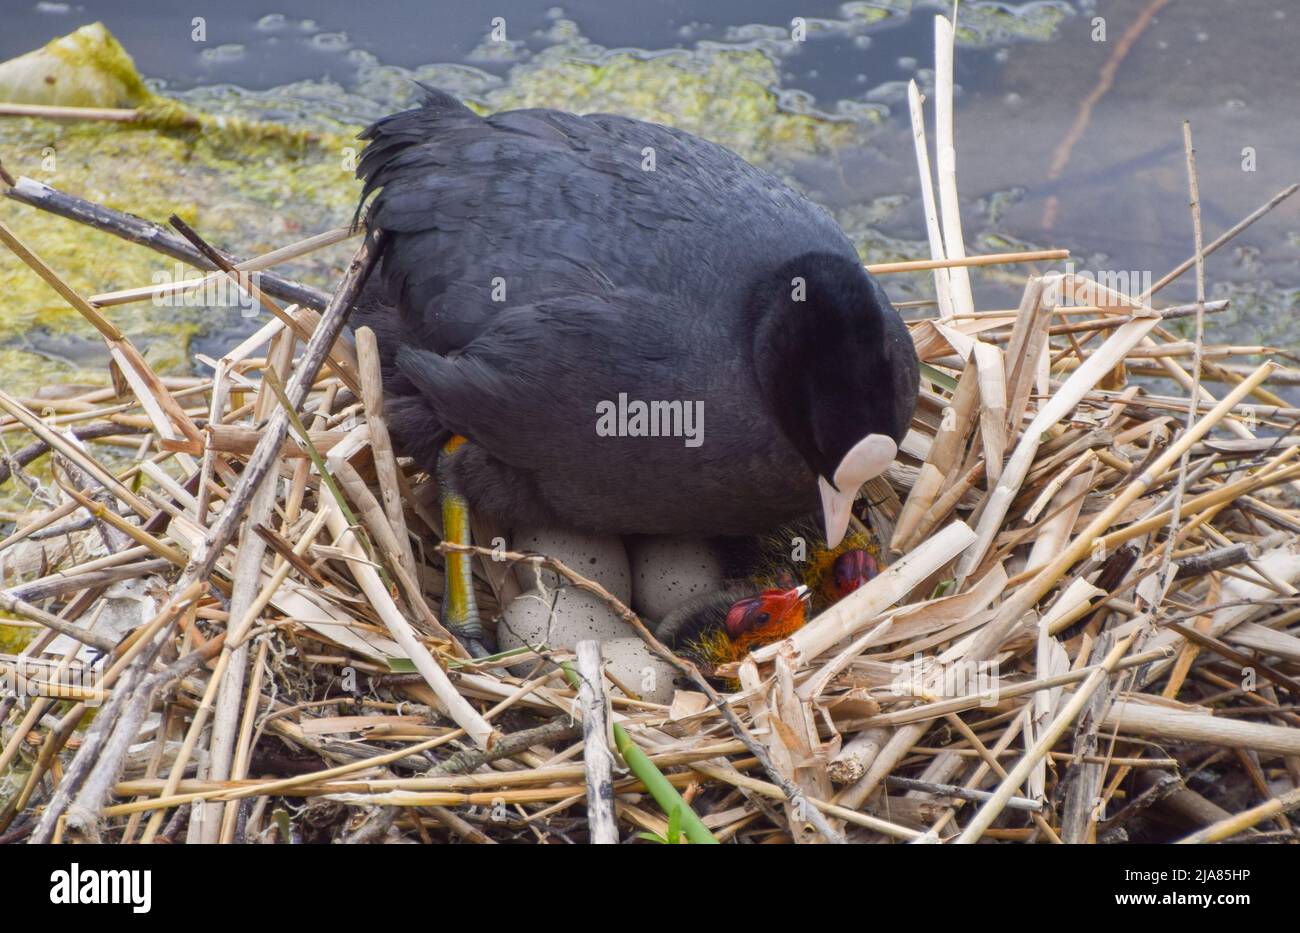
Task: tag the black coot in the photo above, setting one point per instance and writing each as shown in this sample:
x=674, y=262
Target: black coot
x=549, y=277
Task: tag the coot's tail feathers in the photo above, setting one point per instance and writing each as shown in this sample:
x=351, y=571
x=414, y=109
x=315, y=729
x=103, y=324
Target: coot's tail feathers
x=434, y=98
x=392, y=136
x=393, y=143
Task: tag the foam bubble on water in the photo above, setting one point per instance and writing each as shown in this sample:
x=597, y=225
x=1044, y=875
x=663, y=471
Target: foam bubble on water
x=223, y=54
x=331, y=41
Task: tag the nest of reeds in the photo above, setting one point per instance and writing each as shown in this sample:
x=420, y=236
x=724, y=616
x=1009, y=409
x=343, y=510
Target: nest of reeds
x=1086, y=632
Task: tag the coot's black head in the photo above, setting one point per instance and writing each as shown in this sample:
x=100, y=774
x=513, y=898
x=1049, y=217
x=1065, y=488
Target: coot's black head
x=839, y=370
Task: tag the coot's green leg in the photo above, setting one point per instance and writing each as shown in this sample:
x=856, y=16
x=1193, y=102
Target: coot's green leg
x=459, y=608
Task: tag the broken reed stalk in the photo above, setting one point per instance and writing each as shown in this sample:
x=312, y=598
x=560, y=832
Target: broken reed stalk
x=52, y=112
x=989, y=259
x=942, y=284
x=372, y=392
x=145, y=233
x=946, y=158
x=254, y=265
x=596, y=756
x=1194, y=399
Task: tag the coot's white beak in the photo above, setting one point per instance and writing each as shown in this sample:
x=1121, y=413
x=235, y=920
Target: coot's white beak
x=867, y=459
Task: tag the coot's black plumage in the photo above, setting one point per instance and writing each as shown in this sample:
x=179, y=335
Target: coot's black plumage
x=536, y=267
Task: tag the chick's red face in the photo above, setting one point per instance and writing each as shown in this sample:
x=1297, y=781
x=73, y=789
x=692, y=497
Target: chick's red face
x=766, y=617
x=852, y=569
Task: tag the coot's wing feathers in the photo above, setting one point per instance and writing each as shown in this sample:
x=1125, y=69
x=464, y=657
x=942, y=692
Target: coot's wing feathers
x=547, y=204
x=527, y=387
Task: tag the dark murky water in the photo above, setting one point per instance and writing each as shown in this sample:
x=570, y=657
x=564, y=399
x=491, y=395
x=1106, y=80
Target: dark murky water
x=1118, y=200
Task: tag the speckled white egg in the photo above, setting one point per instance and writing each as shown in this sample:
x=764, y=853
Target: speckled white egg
x=601, y=558
x=667, y=571
x=578, y=614
x=630, y=662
